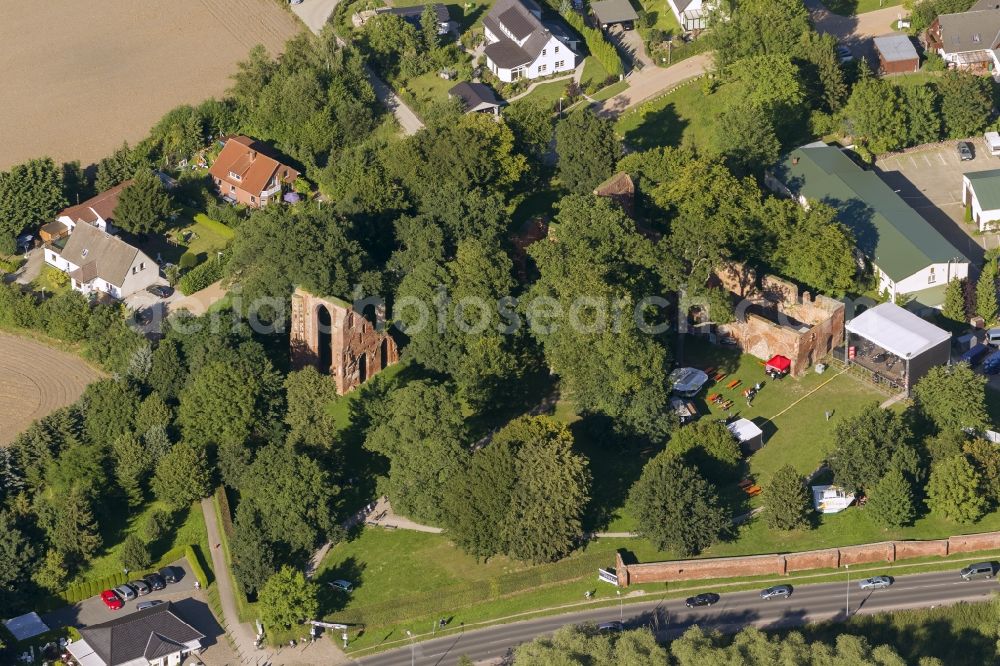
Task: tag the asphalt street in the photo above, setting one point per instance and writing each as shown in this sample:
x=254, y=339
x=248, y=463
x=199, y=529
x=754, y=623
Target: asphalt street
x=808, y=603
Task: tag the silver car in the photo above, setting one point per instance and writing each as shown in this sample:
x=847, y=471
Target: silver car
x=776, y=592
x=126, y=592
x=875, y=583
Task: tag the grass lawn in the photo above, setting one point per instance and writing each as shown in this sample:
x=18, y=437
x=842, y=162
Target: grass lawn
x=664, y=19
x=593, y=72
x=193, y=233
x=549, y=93
x=426, y=89
x=682, y=115
x=609, y=91
x=852, y=7
x=190, y=529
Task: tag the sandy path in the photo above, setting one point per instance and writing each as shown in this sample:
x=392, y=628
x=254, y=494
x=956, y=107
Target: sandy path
x=81, y=77
x=36, y=380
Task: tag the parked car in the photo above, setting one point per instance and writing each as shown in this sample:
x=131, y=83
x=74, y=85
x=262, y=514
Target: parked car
x=160, y=290
x=611, y=627
x=143, y=605
x=965, y=151
x=978, y=570
x=141, y=587
x=342, y=585
x=703, y=599
x=777, y=591
x=111, y=600
x=125, y=592
x=875, y=583
x=844, y=54
x=171, y=574
x=155, y=581
x=991, y=364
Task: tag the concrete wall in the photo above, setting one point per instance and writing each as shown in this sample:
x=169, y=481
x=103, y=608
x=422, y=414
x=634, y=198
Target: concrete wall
x=778, y=564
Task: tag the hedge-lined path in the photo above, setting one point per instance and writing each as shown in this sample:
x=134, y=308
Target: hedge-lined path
x=36, y=380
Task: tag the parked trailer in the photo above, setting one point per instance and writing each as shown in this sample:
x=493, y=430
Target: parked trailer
x=974, y=355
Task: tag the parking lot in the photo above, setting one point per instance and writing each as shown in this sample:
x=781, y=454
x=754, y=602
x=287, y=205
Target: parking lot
x=930, y=180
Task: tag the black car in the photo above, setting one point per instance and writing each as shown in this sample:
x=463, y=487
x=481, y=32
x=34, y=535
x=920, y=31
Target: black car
x=171, y=574
x=160, y=290
x=141, y=587
x=703, y=599
x=155, y=581
x=965, y=151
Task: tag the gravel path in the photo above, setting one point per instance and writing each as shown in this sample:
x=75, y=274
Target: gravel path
x=36, y=380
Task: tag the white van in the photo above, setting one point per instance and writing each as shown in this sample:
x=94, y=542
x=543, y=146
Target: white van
x=992, y=142
x=993, y=336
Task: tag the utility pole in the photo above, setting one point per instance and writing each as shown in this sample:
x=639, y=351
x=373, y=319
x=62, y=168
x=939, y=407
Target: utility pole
x=621, y=608
x=847, y=607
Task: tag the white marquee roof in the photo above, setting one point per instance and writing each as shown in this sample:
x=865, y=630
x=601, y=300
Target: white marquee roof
x=897, y=330
x=744, y=429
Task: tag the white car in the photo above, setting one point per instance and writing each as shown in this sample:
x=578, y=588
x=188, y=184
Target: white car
x=875, y=583
x=342, y=585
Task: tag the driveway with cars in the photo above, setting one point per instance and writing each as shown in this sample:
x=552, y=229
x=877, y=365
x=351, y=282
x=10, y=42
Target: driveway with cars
x=929, y=179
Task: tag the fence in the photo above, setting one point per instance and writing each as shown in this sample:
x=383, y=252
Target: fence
x=783, y=563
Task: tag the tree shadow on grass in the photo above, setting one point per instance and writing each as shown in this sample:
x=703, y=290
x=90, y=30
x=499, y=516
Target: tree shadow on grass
x=662, y=127
x=333, y=599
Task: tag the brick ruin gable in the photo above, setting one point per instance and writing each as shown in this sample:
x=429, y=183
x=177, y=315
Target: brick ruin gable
x=773, y=317
x=351, y=349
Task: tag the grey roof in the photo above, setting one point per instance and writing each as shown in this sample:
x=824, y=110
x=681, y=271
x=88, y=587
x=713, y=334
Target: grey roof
x=516, y=20
x=681, y=5
x=614, y=11
x=970, y=31
x=896, y=48
x=518, y=17
x=414, y=12
x=985, y=4
x=890, y=233
x=986, y=185
x=99, y=254
x=149, y=634
x=475, y=96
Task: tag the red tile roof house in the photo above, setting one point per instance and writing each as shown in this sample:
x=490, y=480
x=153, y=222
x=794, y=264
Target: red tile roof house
x=98, y=211
x=246, y=173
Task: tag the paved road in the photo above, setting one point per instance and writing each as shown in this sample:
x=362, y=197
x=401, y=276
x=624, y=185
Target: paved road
x=809, y=603
x=652, y=81
x=315, y=14
x=854, y=28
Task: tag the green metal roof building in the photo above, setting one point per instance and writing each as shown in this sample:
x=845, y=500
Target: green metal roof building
x=909, y=254
x=981, y=191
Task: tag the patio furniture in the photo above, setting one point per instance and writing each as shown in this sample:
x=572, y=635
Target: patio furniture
x=713, y=397
x=733, y=384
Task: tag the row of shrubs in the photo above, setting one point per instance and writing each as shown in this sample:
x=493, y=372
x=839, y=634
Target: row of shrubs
x=201, y=276
x=85, y=590
x=600, y=48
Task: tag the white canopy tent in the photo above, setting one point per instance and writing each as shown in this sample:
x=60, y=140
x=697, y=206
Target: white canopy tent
x=897, y=331
x=687, y=381
x=26, y=626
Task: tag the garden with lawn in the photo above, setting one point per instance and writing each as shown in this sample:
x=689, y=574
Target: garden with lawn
x=684, y=115
x=193, y=235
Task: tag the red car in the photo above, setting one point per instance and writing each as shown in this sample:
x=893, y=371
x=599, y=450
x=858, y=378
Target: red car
x=111, y=600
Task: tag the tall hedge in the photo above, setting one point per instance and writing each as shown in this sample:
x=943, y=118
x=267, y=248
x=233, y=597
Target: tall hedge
x=600, y=48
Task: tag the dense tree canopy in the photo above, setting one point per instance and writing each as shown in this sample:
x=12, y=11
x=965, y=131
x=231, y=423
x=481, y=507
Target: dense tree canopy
x=870, y=444
x=953, y=397
x=757, y=27
x=588, y=150
x=30, y=195
x=787, y=500
x=144, y=205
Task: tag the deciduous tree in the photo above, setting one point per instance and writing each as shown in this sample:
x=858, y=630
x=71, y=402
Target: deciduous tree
x=954, y=490
x=252, y=554
x=985, y=457
x=966, y=102
x=953, y=397
x=30, y=195
x=675, y=508
x=710, y=447
x=787, y=502
x=868, y=445
x=588, y=150
x=288, y=598
x=182, y=476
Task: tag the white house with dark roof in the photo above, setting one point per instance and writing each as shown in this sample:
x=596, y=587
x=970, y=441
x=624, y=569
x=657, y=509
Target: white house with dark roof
x=156, y=636
x=98, y=262
x=691, y=14
x=968, y=40
x=520, y=46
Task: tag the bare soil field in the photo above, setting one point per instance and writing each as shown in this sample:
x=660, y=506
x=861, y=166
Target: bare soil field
x=36, y=380
x=81, y=77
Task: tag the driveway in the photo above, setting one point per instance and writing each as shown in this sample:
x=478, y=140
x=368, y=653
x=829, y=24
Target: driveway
x=629, y=44
x=32, y=268
x=929, y=179
x=652, y=81
x=315, y=13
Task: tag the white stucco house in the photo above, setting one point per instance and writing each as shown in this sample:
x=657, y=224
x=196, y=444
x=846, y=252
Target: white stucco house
x=520, y=46
x=981, y=192
x=968, y=40
x=98, y=262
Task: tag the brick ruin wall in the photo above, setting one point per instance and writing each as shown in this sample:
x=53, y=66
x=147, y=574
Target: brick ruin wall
x=764, y=338
x=780, y=564
x=358, y=350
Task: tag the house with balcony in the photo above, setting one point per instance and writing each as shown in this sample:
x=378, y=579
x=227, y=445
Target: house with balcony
x=968, y=40
x=519, y=45
x=248, y=172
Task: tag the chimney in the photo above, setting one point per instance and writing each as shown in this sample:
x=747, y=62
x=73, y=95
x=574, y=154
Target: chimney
x=253, y=154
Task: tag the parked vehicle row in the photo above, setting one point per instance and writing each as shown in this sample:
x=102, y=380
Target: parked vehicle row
x=115, y=599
